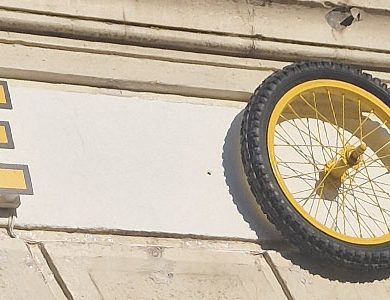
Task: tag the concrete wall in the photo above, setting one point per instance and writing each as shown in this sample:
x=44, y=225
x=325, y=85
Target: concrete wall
x=128, y=115
x=140, y=102
x=140, y=162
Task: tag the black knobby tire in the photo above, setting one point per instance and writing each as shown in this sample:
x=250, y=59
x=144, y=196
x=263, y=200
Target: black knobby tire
x=263, y=183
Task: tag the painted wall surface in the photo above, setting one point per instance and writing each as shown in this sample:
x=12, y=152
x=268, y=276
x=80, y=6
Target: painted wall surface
x=132, y=163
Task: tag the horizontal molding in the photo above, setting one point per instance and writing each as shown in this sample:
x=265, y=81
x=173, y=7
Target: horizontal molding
x=114, y=9
x=221, y=28
x=67, y=61
x=129, y=73
x=376, y=5
x=120, y=50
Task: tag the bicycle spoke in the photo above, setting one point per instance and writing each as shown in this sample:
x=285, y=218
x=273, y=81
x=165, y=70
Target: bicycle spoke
x=332, y=171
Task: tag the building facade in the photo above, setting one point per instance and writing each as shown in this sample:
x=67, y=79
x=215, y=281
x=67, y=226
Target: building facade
x=125, y=120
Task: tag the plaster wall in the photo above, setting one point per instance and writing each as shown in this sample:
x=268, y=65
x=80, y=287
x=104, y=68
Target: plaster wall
x=135, y=163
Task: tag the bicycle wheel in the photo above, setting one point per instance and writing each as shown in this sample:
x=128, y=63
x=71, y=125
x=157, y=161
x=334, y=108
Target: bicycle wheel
x=315, y=143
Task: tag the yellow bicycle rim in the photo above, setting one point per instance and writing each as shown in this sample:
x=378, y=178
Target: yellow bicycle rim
x=329, y=148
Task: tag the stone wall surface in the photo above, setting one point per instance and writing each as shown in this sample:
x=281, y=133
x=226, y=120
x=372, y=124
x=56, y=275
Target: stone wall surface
x=54, y=265
x=128, y=115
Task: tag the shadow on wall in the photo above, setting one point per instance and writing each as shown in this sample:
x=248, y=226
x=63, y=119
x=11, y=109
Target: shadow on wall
x=268, y=237
x=331, y=270
x=5, y=214
x=239, y=188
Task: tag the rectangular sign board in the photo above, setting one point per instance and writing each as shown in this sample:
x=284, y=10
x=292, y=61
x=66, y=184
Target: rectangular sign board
x=14, y=178
x=5, y=99
x=6, y=140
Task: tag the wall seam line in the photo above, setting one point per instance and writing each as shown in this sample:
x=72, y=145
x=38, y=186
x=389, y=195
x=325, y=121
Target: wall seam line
x=278, y=276
x=55, y=272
